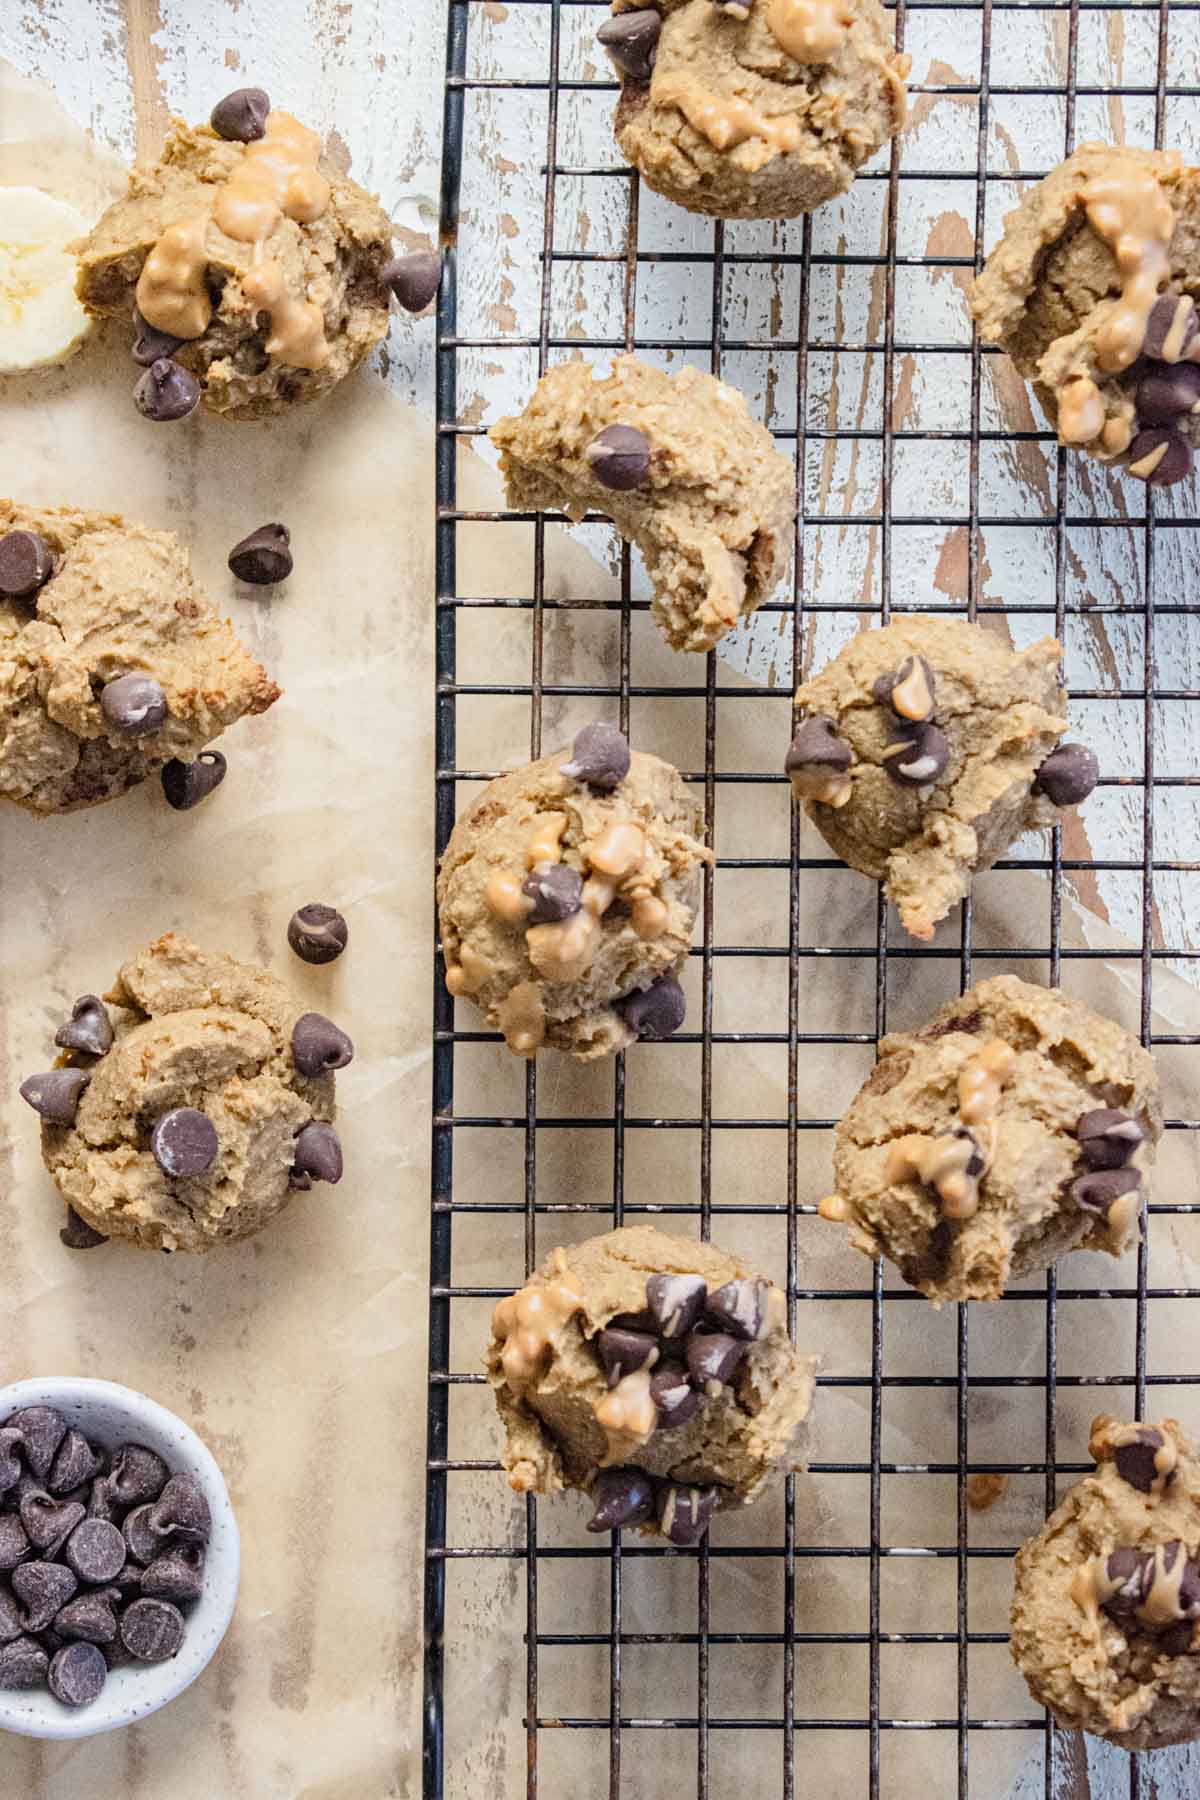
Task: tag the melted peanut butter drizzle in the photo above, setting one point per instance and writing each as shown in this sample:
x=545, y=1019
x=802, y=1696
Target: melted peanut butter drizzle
x=545, y=845
x=171, y=291
x=297, y=326
x=1080, y=411
x=941, y=1163
x=522, y=1018
x=726, y=122
x=811, y=31
x=505, y=896
x=1109, y=1434
x=830, y=789
x=1130, y=211
x=981, y=1079
x=563, y=951
x=277, y=178
x=528, y=1322
x=627, y=1415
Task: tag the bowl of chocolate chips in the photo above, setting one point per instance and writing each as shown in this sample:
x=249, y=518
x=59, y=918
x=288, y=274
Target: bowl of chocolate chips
x=118, y=1557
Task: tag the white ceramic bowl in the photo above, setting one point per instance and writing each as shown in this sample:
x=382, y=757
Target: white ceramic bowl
x=109, y=1414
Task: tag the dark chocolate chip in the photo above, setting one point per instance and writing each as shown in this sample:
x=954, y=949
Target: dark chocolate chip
x=89, y=1617
x=318, y=934
x=622, y=1497
x=918, y=757
x=152, y=1630
x=674, y=1396
x=555, y=889
x=1136, y=1462
x=115, y=1655
x=96, y=1551
x=23, y=1664
x=166, y=392
x=631, y=39
x=816, y=746
x=318, y=1045
x=263, y=557
x=882, y=691
x=1107, y=1138
x=133, y=704
x=713, y=1356
x=178, y=1574
x=141, y=1540
x=101, y=1502
x=623, y=1352
x=1172, y=321
x=1189, y=1591
x=1096, y=1192
x=657, y=1011
x=185, y=784
x=740, y=1307
x=619, y=457
x=1166, y=392
x=1160, y=457
x=26, y=564
x=1068, y=774
x=599, y=757
x=89, y=1027
x=317, y=1156
x=1176, y=1640
x=684, y=1513
x=49, y=1523
x=182, y=1507
x=1132, y=1569
x=184, y=1142
x=137, y=1474
x=11, y=1442
x=42, y=1430
x=151, y=345
x=43, y=1588
x=675, y=1302
x=74, y=1463
x=77, y=1675
x=55, y=1094
x=10, y=1617
x=241, y=117
x=14, y=1544
x=414, y=279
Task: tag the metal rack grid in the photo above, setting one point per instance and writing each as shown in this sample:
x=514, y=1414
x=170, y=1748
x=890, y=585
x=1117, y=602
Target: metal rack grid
x=627, y=1736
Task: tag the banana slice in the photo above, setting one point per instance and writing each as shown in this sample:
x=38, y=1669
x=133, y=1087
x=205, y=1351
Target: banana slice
x=41, y=321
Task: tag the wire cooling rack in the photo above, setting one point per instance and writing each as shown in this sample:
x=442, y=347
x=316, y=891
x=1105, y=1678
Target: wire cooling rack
x=1145, y=542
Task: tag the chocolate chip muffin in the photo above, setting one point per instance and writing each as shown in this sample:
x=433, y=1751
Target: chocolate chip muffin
x=682, y=470
x=1107, y=1597
x=655, y=1374
x=112, y=660
x=567, y=896
x=1015, y=1126
x=196, y=1113
x=926, y=748
x=754, y=110
x=1092, y=292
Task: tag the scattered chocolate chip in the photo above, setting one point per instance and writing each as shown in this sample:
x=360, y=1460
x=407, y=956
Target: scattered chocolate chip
x=166, y=392
x=152, y=1630
x=318, y=1155
x=1160, y=457
x=674, y=1396
x=816, y=749
x=55, y=1094
x=241, y=117
x=89, y=1617
x=908, y=690
x=1096, y=1192
x=43, y=1588
x=77, y=1675
x=137, y=1474
x=101, y=1502
x=657, y=1011
x=622, y=1497
x=623, y=1352
x=599, y=757
x=141, y=1540
x=713, y=1356
x=1170, y=327
x=675, y=1302
x=10, y=1617
x=151, y=345
x=133, y=704
x=23, y=1664
x=1131, y=1568
x=74, y=1463
x=77, y=1234
x=631, y=39
x=10, y=1461
x=318, y=934
x=740, y=1307
x=555, y=889
x=414, y=279
x=96, y=1551
x=182, y=1507
x=1107, y=1138
x=49, y=1523
x=42, y=1430
x=918, y=758
x=619, y=457
x=1068, y=774
x=14, y=1544
x=1137, y=1462
x=26, y=564
x=319, y=1046
x=89, y=1028
x=184, y=1142
x=1167, y=391
x=263, y=557
x=684, y=1513
x=185, y=784
x=178, y=1574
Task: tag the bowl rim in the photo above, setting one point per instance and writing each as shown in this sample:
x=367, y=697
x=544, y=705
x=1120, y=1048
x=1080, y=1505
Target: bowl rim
x=80, y=1390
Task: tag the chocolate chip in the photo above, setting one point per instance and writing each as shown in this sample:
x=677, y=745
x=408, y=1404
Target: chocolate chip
x=10, y=1617
x=318, y=1045
x=1107, y=1138
x=1068, y=774
x=77, y=1675
x=49, y=1523
x=816, y=747
x=166, y=392
x=1176, y=1640
x=141, y=1540
x=178, y=1574
x=133, y=704
x=150, y=344
x=1167, y=391
x=115, y=1655
x=96, y=1551
x=599, y=757
x=74, y=1463
x=1160, y=457
x=89, y=1617
x=152, y=1630
x=186, y=784
x=713, y=1356
x=619, y=457
x=184, y=1142
x=14, y=1544
x=623, y=1352
x=674, y=1396
x=89, y=1028
x=241, y=117
x=740, y=1307
x=555, y=889
x=11, y=1442
x=631, y=39
x=137, y=1474
x=1189, y=1591
x=655, y=1012
x=317, y=1156
x=622, y=1497
x=318, y=934
x=1136, y=1462
x=916, y=700
x=1096, y=1193
x=26, y=564
x=413, y=279
x=182, y=1507
x=263, y=557
x=1170, y=326
x=43, y=1588
x=684, y=1513
x=55, y=1095
x=42, y=1430
x=675, y=1302
x=1132, y=1569
x=23, y=1664
x=918, y=757
x=101, y=1503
